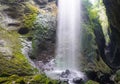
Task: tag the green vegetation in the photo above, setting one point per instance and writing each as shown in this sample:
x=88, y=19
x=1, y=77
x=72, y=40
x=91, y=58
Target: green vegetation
x=30, y=16
x=14, y=67
x=36, y=79
x=13, y=61
x=90, y=47
x=91, y=82
x=9, y=67
x=89, y=50
x=39, y=38
x=117, y=77
x=101, y=66
x=97, y=12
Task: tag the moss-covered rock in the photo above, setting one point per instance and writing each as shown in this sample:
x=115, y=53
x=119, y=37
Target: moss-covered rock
x=14, y=66
x=117, y=76
x=91, y=82
x=35, y=79
x=42, y=80
x=30, y=15
x=95, y=37
x=112, y=10
x=12, y=60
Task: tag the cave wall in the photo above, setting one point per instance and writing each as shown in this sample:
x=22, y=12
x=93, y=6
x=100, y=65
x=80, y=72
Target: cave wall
x=113, y=49
x=113, y=9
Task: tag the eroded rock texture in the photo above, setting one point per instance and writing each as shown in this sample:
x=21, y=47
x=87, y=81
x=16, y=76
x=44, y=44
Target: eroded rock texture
x=113, y=49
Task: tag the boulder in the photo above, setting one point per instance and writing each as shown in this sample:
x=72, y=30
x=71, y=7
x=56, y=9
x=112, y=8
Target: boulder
x=77, y=80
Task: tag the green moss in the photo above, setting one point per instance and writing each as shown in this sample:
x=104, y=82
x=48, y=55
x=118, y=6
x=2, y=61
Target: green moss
x=91, y=82
x=16, y=63
x=2, y=80
x=13, y=61
x=14, y=67
x=30, y=17
x=39, y=37
x=20, y=80
x=102, y=66
x=37, y=79
x=42, y=79
x=9, y=67
x=117, y=76
x=32, y=9
x=29, y=20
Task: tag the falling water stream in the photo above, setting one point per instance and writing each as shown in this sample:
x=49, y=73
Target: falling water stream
x=68, y=37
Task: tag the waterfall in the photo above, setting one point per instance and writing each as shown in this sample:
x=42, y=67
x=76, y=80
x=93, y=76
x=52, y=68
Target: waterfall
x=68, y=35
x=68, y=56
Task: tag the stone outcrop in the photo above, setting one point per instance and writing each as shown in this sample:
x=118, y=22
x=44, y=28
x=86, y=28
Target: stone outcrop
x=17, y=26
x=113, y=49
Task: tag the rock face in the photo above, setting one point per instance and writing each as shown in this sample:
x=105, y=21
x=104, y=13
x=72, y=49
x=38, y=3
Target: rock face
x=43, y=3
x=12, y=60
x=44, y=33
x=113, y=49
x=78, y=80
x=44, y=37
x=16, y=30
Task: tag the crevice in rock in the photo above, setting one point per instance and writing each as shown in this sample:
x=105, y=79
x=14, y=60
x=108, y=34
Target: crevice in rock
x=14, y=24
x=23, y=31
x=29, y=38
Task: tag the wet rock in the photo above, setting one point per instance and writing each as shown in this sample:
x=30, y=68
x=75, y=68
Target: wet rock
x=56, y=2
x=50, y=0
x=117, y=76
x=105, y=79
x=6, y=52
x=92, y=75
x=29, y=38
x=42, y=3
x=2, y=43
x=44, y=37
x=102, y=78
x=65, y=74
x=77, y=80
x=112, y=11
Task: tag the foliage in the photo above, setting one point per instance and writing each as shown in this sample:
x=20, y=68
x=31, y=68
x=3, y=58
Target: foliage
x=88, y=42
x=39, y=37
x=42, y=31
x=97, y=12
x=89, y=46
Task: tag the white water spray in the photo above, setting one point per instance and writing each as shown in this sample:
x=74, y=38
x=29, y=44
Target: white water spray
x=68, y=41
x=68, y=35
